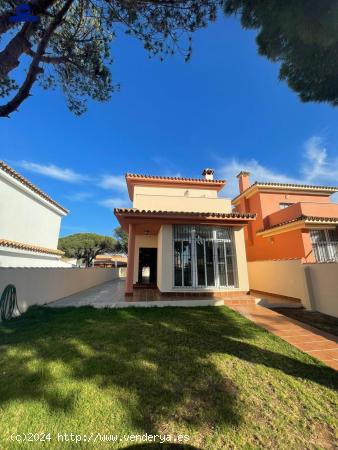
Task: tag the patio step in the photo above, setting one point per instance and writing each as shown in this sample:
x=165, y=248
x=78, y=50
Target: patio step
x=244, y=300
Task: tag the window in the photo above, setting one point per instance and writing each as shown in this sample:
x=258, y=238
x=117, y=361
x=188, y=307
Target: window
x=284, y=205
x=204, y=257
x=325, y=245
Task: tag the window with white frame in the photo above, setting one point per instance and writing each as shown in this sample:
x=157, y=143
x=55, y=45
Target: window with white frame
x=204, y=257
x=325, y=245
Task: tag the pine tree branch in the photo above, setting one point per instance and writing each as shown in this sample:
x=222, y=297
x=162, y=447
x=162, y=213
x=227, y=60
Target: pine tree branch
x=34, y=68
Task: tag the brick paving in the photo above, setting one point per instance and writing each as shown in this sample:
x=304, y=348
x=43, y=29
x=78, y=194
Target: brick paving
x=317, y=343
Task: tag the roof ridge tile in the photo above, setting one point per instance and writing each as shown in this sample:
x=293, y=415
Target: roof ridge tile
x=30, y=247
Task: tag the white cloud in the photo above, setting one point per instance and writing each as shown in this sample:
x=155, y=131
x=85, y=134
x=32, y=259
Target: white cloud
x=115, y=202
x=315, y=168
x=115, y=182
x=317, y=165
x=52, y=171
x=79, y=196
x=229, y=169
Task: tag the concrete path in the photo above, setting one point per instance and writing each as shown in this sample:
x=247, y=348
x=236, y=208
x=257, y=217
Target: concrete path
x=319, y=344
x=101, y=296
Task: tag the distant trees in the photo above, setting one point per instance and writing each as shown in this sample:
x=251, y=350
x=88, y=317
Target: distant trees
x=86, y=246
x=122, y=240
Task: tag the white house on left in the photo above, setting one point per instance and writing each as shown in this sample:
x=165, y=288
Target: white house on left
x=29, y=223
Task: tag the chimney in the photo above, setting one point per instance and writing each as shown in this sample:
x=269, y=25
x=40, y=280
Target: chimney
x=243, y=180
x=208, y=174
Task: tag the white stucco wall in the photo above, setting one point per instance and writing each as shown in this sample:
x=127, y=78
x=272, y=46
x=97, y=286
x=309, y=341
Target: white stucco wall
x=180, y=199
x=25, y=216
x=38, y=286
x=10, y=257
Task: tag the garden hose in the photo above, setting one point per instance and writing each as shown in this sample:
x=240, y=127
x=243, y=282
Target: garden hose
x=8, y=303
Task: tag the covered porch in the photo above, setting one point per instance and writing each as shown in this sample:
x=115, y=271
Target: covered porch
x=185, y=253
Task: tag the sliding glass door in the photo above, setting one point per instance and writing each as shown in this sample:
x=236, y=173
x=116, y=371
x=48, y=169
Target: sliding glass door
x=204, y=257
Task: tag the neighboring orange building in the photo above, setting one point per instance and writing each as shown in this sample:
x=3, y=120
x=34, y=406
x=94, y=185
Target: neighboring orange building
x=293, y=220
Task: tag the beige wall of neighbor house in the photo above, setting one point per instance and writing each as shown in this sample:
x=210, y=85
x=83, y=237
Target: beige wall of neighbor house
x=178, y=199
x=26, y=216
x=38, y=286
x=322, y=282
x=142, y=241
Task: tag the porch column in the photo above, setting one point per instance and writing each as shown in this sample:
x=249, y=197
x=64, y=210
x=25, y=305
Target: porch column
x=131, y=258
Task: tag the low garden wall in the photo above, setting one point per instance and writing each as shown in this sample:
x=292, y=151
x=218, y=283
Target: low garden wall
x=323, y=286
x=315, y=285
x=37, y=286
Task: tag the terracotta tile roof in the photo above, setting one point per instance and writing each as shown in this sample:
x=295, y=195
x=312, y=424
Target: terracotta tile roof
x=13, y=173
x=29, y=247
x=306, y=219
x=159, y=178
x=308, y=187
x=134, y=211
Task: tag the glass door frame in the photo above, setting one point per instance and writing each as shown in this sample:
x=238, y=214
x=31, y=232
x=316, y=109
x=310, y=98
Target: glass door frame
x=194, y=261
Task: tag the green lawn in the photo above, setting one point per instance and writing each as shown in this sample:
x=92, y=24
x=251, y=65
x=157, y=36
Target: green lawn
x=207, y=373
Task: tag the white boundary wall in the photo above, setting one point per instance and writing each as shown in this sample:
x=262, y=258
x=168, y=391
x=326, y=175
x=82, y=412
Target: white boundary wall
x=37, y=286
x=316, y=285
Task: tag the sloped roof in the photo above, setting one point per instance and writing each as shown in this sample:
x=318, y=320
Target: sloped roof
x=326, y=190
x=134, y=211
x=14, y=174
x=29, y=247
x=303, y=218
x=157, y=177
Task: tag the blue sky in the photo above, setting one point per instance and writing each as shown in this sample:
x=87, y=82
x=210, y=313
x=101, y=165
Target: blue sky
x=224, y=109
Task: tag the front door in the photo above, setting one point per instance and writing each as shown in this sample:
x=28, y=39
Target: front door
x=147, y=267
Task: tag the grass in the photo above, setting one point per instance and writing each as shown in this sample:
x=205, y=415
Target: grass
x=315, y=319
x=207, y=373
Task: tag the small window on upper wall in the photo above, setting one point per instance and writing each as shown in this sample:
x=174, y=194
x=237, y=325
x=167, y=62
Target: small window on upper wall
x=284, y=205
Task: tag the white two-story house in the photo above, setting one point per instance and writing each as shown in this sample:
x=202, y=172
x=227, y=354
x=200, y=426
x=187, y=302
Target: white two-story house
x=29, y=223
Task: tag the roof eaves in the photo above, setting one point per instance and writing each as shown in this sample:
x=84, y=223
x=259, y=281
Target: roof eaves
x=258, y=184
x=29, y=247
x=14, y=174
x=306, y=219
x=162, y=178
x=135, y=211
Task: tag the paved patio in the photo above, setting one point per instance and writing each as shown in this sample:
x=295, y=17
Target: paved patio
x=319, y=344
x=112, y=295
